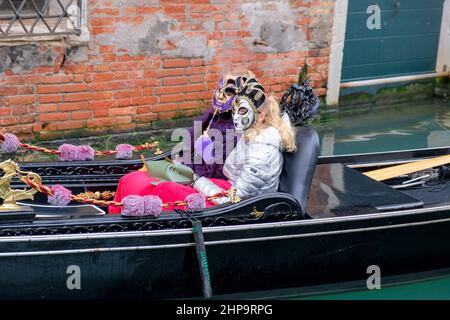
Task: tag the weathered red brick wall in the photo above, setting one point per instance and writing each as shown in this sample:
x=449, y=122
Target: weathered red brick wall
x=149, y=61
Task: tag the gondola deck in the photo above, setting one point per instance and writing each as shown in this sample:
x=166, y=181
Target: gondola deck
x=338, y=190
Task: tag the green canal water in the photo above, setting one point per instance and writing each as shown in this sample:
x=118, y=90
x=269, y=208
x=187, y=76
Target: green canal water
x=423, y=124
x=429, y=285
x=438, y=289
x=418, y=124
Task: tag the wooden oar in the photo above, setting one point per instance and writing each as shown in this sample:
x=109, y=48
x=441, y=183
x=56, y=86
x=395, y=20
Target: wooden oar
x=395, y=171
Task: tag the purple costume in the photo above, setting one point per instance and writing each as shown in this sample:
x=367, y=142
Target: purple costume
x=218, y=117
x=221, y=122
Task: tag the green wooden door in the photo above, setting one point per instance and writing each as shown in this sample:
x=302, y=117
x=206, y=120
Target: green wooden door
x=406, y=43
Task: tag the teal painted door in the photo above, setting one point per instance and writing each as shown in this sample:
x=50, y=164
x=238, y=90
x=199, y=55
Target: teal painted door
x=406, y=42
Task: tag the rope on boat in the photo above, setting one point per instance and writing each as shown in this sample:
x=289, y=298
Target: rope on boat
x=47, y=191
x=200, y=250
x=145, y=146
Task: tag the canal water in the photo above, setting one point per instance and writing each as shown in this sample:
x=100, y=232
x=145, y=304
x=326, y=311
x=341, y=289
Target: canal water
x=434, y=289
x=418, y=124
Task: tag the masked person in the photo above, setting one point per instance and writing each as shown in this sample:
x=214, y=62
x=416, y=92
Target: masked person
x=217, y=117
x=254, y=165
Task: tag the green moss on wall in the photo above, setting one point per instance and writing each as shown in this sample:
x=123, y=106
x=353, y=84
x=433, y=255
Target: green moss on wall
x=442, y=89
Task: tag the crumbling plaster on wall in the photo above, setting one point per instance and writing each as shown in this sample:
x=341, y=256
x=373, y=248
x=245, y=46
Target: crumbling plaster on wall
x=271, y=23
x=157, y=35
x=274, y=24
x=25, y=57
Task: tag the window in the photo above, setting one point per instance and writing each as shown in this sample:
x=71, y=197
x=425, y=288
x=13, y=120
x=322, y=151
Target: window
x=28, y=6
x=40, y=18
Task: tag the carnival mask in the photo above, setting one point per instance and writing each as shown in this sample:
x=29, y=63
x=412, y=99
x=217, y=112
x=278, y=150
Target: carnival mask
x=224, y=95
x=250, y=96
x=244, y=115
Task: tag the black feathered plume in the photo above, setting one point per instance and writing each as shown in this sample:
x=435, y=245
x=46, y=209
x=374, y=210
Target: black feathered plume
x=300, y=102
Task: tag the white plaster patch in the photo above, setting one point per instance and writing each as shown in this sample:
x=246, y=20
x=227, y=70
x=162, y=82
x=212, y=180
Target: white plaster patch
x=274, y=24
x=157, y=35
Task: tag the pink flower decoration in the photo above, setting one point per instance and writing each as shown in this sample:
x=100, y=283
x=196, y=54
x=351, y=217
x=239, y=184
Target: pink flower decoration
x=195, y=201
x=61, y=196
x=124, y=151
x=11, y=143
x=85, y=153
x=138, y=206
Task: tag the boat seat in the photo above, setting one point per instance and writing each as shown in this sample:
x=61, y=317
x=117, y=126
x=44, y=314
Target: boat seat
x=298, y=168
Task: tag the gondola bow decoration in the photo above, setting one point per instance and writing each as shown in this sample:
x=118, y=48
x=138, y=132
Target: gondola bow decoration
x=7, y=194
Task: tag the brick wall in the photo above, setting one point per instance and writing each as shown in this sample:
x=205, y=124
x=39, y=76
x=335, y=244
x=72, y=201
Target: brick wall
x=149, y=61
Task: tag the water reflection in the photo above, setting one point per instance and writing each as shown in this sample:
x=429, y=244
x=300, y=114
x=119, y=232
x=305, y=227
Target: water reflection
x=424, y=124
x=371, y=135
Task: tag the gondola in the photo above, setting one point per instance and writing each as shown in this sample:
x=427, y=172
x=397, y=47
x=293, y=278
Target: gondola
x=327, y=224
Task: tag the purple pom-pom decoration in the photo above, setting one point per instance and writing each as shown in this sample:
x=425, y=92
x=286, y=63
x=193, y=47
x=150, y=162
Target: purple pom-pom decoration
x=138, y=206
x=152, y=205
x=85, y=153
x=11, y=143
x=61, y=196
x=124, y=151
x=133, y=206
x=195, y=201
x=68, y=152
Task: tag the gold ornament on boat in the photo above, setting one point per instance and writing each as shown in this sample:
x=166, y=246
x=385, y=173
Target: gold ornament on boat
x=256, y=214
x=158, y=151
x=10, y=196
x=233, y=196
x=97, y=195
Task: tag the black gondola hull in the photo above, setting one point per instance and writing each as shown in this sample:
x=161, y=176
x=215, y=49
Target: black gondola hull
x=147, y=258
x=162, y=264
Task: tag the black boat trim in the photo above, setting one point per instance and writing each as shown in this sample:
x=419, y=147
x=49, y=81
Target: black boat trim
x=387, y=152
x=322, y=159
x=314, y=234
x=220, y=242
x=99, y=211
x=402, y=206
x=211, y=230
x=94, y=250
x=376, y=164
x=103, y=235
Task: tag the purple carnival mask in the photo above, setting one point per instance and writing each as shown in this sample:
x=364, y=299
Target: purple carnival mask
x=222, y=99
